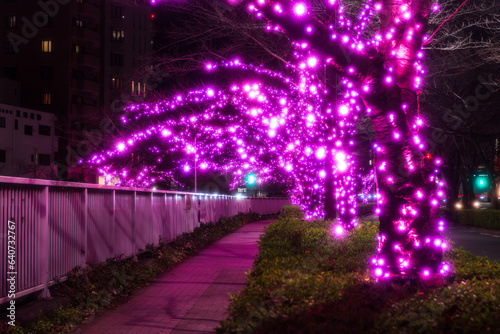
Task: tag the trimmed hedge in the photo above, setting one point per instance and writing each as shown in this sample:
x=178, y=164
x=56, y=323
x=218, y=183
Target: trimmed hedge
x=480, y=218
x=473, y=217
x=292, y=211
x=306, y=281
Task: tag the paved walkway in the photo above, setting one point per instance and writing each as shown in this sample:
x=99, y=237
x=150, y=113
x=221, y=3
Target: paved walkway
x=191, y=298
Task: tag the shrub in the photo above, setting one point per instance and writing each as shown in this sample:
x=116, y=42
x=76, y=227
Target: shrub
x=305, y=281
x=472, y=217
x=480, y=218
x=291, y=211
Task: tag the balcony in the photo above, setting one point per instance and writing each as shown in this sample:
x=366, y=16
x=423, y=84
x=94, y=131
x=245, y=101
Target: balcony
x=84, y=110
x=84, y=85
x=88, y=9
x=83, y=59
x=85, y=34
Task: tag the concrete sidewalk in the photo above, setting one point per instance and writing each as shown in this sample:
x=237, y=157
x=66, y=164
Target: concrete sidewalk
x=192, y=297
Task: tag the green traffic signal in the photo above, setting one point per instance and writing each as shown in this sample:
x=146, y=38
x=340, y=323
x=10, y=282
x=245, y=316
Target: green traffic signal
x=482, y=182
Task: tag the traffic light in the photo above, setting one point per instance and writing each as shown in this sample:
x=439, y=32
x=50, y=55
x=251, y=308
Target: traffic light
x=251, y=179
x=482, y=183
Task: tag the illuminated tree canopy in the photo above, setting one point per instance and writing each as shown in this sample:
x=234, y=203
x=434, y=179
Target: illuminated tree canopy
x=295, y=125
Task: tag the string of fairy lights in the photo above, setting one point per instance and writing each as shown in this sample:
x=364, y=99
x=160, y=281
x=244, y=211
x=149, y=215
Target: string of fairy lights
x=285, y=126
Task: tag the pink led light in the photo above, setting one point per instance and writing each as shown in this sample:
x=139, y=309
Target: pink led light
x=120, y=147
x=321, y=153
x=343, y=110
x=300, y=9
x=312, y=62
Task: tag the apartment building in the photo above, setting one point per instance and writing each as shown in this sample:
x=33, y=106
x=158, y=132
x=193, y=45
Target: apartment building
x=74, y=59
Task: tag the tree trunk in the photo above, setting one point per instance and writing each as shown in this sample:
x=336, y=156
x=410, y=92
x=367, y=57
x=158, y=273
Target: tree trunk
x=468, y=197
x=493, y=193
x=407, y=187
x=453, y=188
x=330, y=202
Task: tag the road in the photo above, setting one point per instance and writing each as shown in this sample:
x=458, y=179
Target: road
x=479, y=242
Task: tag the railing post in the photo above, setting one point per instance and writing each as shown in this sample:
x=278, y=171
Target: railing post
x=113, y=223
x=165, y=219
x=44, y=243
x=152, y=220
x=134, y=225
x=85, y=226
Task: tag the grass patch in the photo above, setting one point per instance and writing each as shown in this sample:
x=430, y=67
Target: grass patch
x=305, y=281
x=103, y=286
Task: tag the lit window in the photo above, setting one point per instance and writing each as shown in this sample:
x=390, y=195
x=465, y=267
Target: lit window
x=116, y=83
x=46, y=98
x=136, y=88
x=118, y=35
x=46, y=46
x=10, y=21
x=77, y=48
x=78, y=23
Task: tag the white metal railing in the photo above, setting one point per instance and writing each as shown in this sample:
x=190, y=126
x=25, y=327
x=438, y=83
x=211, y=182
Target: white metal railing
x=60, y=225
